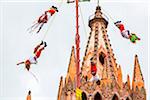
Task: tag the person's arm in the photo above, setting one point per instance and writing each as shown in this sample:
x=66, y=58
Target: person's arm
x=20, y=63
x=69, y=1
x=46, y=12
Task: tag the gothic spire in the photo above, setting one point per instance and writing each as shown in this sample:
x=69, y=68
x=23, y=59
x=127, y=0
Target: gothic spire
x=138, y=80
x=60, y=89
x=119, y=76
x=128, y=81
x=72, y=65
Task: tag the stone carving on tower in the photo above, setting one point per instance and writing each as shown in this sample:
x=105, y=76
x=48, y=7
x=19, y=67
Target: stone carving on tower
x=101, y=76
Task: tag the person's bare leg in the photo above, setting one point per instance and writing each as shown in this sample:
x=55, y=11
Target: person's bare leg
x=33, y=28
x=36, y=26
x=38, y=53
x=37, y=47
x=40, y=28
x=30, y=28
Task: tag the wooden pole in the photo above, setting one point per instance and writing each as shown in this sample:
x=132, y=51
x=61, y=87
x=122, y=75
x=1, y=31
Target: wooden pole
x=77, y=45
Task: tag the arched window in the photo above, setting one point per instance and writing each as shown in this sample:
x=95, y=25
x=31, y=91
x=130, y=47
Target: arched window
x=84, y=97
x=127, y=98
x=101, y=58
x=97, y=96
x=115, y=97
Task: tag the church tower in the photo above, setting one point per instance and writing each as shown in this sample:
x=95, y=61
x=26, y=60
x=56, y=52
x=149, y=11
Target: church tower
x=138, y=89
x=100, y=76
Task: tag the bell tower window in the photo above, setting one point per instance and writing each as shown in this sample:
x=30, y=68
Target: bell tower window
x=97, y=96
x=127, y=98
x=115, y=97
x=102, y=58
x=84, y=97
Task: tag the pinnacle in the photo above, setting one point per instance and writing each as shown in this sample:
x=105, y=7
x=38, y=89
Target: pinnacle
x=136, y=55
x=72, y=47
x=137, y=76
x=61, y=78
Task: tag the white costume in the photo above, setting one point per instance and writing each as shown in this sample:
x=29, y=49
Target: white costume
x=94, y=78
x=33, y=60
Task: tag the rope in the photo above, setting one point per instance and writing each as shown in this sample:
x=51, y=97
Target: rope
x=34, y=76
x=83, y=21
x=108, y=15
x=98, y=2
x=48, y=28
x=111, y=17
x=51, y=22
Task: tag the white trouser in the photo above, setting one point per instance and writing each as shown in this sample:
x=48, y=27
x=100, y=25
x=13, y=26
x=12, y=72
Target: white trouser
x=94, y=78
x=125, y=34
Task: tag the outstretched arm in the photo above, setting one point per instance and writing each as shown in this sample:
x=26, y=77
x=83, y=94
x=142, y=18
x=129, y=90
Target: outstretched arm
x=20, y=63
